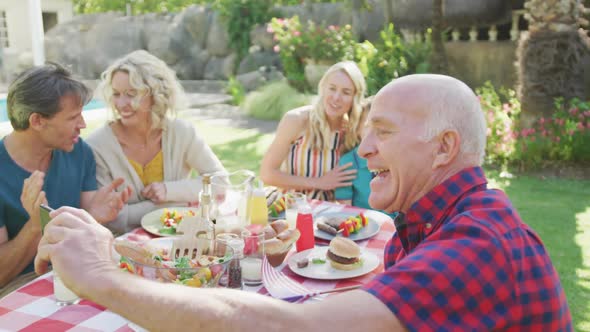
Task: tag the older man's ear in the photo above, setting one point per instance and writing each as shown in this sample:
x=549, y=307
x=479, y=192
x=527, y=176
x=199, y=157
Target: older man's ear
x=449, y=144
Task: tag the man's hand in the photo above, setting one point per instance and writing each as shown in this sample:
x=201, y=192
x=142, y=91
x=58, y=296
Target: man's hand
x=107, y=202
x=32, y=196
x=78, y=247
x=156, y=192
x=338, y=177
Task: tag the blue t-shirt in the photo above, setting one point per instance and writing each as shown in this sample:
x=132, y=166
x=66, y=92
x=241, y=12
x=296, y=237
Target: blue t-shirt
x=69, y=174
x=360, y=190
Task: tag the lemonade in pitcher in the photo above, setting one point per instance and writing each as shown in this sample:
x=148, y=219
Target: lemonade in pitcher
x=231, y=193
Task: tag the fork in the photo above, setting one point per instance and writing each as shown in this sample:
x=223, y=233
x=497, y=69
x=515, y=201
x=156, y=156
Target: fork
x=188, y=244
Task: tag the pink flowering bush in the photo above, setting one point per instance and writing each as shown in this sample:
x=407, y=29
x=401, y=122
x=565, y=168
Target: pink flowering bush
x=312, y=41
x=565, y=136
x=501, y=109
x=298, y=42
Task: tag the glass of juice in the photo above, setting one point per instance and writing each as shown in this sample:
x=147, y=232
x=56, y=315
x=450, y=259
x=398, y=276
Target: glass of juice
x=294, y=202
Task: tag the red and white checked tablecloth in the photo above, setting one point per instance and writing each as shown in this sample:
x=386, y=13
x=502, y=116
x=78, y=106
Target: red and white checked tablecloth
x=32, y=307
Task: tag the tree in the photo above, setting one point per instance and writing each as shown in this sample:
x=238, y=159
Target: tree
x=137, y=6
x=438, y=57
x=550, y=56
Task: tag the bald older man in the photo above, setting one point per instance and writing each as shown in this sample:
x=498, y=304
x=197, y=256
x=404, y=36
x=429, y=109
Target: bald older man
x=461, y=259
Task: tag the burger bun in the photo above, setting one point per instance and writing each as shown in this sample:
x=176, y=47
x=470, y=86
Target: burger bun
x=344, y=247
x=344, y=254
x=345, y=267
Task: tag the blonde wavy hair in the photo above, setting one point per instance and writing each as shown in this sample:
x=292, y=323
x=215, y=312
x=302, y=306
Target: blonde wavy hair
x=149, y=76
x=318, y=121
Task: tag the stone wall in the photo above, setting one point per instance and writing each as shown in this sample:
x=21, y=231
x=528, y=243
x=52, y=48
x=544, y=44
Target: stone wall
x=193, y=42
x=477, y=62
x=481, y=61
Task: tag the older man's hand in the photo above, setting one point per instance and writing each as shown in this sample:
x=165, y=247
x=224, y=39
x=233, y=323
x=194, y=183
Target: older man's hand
x=78, y=247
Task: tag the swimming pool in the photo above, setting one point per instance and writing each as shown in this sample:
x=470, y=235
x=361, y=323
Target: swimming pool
x=92, y=105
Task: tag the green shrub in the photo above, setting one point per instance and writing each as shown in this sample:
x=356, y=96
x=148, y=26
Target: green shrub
x=240, y=17
x=391, y=58
x=236, y=90
x=300, y=42
x=273, y=100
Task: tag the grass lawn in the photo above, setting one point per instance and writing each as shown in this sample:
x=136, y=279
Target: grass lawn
x=558, y=209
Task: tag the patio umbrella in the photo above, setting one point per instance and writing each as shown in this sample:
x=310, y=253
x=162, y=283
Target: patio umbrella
x=417, y=14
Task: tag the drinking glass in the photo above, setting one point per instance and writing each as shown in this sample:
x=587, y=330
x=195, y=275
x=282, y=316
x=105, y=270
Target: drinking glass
x=63, y=295
x=252, y=261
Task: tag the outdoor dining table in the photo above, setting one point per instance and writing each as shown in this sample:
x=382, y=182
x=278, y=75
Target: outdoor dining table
x=33, y=308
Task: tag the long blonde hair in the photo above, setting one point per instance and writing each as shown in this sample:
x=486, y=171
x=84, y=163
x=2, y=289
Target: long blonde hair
x=149, y=76
x=318, y=121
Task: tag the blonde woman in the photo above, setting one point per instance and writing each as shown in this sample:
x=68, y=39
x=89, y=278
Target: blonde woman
x=310, y=139
x=145, y=145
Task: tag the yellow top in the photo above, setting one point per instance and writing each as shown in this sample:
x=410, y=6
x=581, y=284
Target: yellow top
x=153, y=170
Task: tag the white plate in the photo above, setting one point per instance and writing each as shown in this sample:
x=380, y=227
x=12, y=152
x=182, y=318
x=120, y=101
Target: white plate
x=326, y=271
x=151, y=221
x=364, y=233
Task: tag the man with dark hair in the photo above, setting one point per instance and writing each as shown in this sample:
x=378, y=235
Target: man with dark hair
x=44, y=161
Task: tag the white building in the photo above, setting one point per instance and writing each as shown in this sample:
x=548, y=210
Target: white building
x=15, y=28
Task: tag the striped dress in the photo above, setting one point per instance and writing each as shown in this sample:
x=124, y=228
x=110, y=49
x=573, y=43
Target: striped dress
x=303, y=160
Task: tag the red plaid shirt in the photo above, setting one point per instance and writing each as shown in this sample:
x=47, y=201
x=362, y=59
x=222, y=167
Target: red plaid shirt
x=462, y=260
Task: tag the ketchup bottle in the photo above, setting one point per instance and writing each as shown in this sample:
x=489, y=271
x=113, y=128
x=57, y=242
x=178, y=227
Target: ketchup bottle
x=305, y=225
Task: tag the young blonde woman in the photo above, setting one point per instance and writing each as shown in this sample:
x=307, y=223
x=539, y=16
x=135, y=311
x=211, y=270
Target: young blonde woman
x=309, y=140
x=145, y=145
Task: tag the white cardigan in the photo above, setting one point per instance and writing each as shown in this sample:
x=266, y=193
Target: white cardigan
x=182, y=149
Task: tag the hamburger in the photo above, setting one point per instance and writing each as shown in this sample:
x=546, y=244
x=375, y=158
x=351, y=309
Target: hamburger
x=344, y=254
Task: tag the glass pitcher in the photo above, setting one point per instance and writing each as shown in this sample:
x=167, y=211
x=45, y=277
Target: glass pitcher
x=231, y=192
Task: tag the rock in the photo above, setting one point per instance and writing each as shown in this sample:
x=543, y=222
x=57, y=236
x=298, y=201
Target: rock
x=110, y=40
x=331, y=14
x=195, y=19
x=255, y=60
x=252, y=80
x=220, y=68
x=229, y=65
x=218, y=39
x=260, y=37
x=257, y=78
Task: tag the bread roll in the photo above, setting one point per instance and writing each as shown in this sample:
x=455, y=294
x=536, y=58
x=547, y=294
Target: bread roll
x=273, y=246
x=276, y=249
x=279, y=225
x=289, y=236
x=269, y=232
